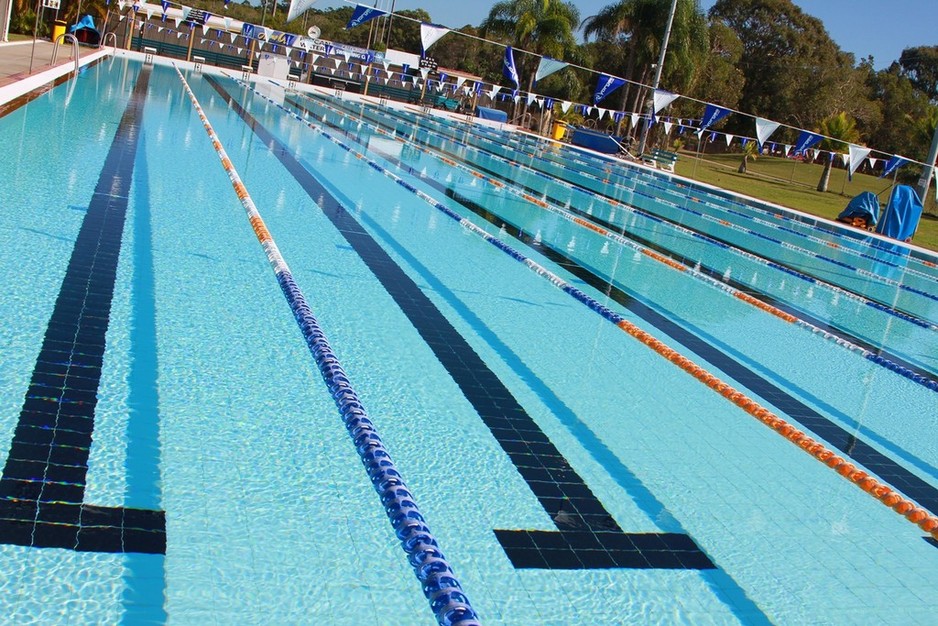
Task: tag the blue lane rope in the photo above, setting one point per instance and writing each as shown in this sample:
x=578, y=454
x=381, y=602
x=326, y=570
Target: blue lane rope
x=442, y=589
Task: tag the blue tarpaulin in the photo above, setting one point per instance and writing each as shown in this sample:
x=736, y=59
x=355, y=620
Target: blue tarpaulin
x=85, y=32
x=85, y=22
x=864, y=206
x=492, y=114
x=600, y=142
x=900, y=219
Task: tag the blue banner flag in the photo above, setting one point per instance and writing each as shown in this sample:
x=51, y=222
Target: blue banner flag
x=165, y=5
x=806, y=140
x=712, y=115
x=606, y=85
x=892, y=164
x=362, y=14
x=509, y=69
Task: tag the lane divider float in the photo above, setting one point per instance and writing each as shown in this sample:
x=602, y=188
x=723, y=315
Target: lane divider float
x=596, y=195
x=440, y=585
x=879, y=490
x=874, y=357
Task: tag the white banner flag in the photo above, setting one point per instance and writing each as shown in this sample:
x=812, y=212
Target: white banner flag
x=667, y=128
x=857, y=154
x=729, y=139
x=459, y=81
x=565, y=106
x=298, y=7
x=548, y=66
x=430, y=34
x=634, y=117
x=663, y=98
x=764, y=129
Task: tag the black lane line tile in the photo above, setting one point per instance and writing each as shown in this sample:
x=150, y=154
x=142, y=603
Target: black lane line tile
x=484, y=390
x=602, y=194
x=691, y=262
x=878, y=463
x=42, y=487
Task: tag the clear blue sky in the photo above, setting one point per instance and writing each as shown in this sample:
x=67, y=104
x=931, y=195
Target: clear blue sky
x=882, y=28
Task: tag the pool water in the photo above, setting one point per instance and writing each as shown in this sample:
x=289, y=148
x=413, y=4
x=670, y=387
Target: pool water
x=200, y=471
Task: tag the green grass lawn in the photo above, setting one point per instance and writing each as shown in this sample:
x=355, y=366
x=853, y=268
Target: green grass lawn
x=793, y=184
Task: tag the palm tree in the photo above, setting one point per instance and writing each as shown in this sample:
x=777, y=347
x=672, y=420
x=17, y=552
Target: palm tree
x=544, y=27
x=750, y=151
x=639, y=25
x=840, y=129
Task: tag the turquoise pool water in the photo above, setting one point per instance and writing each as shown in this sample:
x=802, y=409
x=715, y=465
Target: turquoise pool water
x=507, y=404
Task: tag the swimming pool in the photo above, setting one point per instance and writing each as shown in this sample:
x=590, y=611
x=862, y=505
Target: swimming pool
x=564, y=422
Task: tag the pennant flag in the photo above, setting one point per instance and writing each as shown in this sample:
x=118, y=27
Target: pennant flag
x=297, y=8
x=361, y=15
x=712, y=115
x=226, y=3
x=509, y=69
x=806, y=140
x=729, y=139
x=547, y=66
x=764, y=130
x=787, y=149
x=565, y=105
x=667, y=128
x=495, y=90
x=634, y=118
x=149, y=12
x=178, y=21
x=663, y=98
x=857, y=154
x=531, y=98
x=892, y=164
x=234, y=37
x=873, y=162
x=424, y=71
x=430, y=34
x=605, y=86
x=459, y=81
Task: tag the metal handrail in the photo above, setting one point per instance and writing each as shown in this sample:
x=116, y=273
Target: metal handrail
x=75, y=54
x=104, y=40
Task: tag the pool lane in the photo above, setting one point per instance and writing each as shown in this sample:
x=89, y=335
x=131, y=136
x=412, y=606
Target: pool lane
x=848, y=443
x=42, y=488
x=916, y=371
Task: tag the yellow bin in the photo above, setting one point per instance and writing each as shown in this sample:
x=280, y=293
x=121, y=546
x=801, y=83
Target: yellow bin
x=58, y=29
x=558, y=130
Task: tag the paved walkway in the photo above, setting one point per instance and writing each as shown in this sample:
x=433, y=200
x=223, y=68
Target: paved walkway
x=15, y=58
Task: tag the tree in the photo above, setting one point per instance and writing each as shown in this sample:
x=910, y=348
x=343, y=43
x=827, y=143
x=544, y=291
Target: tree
x=544, y=27
x=840, y=130
x=637, y=26
x=794, y=72
x=750, y=151
x=920, y=66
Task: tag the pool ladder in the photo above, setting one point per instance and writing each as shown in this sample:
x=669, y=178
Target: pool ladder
x=64, y=37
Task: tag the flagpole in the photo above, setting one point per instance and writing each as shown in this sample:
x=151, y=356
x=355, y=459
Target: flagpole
x=664, y=50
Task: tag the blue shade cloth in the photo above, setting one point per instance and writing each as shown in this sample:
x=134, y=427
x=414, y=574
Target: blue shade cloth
x=509, y=69
x=605, y=86
x=900, y=219
x=363, y=14
x=492, y=114
x=892, y=164
x=805, y=141
x=865, y=205
x=712, y=115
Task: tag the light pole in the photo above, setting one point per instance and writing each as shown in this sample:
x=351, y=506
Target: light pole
x=650, y=108
x=387, y=44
